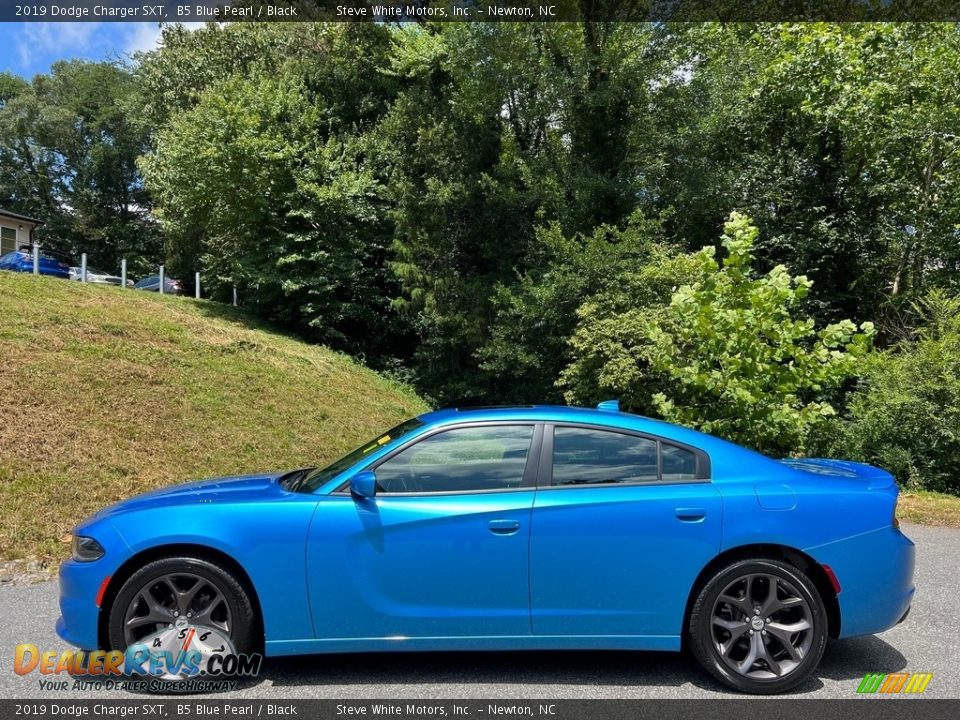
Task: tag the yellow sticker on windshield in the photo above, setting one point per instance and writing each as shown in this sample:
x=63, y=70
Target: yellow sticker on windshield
x=377, y=443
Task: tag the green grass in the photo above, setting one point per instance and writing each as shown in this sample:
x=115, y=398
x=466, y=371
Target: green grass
x=105, y=393
x=929, y=508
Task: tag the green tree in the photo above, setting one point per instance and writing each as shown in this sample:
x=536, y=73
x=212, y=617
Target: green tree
x=271, y=181
x=605, y=359
x=892, y=102
x=838, y=139
x=174, y=77
x=69, y=144
x=728, y=354
x=476, y=177
x=535, y=316
x=29, y=180
x=500, y=130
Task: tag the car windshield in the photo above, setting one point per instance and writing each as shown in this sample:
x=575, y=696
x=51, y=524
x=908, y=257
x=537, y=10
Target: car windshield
x=153, y=279
x=323, y=475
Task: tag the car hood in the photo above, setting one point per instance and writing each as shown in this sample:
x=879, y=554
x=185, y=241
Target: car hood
x=240, y=488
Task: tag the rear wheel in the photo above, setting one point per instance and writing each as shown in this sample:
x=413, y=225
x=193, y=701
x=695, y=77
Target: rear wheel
x=759, y=626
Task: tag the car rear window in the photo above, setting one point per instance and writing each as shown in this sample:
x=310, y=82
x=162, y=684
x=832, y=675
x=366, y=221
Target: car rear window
x=591, y=456
x=594, y=457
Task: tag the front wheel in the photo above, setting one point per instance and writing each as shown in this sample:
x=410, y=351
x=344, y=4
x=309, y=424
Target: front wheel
x=759, y=626
x=178, y=604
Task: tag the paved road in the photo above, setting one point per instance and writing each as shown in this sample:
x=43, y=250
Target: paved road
x=928, y=641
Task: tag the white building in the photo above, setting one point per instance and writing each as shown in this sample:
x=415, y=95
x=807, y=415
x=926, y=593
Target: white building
x=16, y=230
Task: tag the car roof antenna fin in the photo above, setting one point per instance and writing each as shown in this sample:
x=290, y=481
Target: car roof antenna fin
x=609, y=406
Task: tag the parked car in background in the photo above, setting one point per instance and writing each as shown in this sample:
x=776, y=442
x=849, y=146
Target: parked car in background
x=171, y=286
x=22, y=261
x=97, y=277
x=526, y=528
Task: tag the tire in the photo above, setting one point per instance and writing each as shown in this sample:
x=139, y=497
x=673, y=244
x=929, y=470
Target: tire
x=765, y=652
x=205, y=589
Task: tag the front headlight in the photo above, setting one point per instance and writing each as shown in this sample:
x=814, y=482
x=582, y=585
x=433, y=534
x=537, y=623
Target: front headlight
x=86, y=549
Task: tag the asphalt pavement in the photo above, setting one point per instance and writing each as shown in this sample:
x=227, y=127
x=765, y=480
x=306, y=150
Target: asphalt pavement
x=928, y=641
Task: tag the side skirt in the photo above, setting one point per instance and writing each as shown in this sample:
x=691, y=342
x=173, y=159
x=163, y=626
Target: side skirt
x=278, y=648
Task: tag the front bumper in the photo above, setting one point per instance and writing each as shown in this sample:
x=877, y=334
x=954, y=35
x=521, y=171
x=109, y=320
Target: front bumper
x=875, y=571
x=79, y=615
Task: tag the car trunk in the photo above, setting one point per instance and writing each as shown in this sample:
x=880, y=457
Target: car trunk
x=874, y=477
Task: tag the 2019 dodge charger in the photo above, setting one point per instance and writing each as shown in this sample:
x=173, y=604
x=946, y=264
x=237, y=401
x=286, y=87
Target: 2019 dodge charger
x=510, y=528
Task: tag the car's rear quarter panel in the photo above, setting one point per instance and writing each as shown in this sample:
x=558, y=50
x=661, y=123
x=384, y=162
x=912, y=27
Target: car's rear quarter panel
x=841, y=522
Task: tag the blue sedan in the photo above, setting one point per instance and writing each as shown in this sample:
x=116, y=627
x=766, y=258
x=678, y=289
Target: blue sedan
x=48, y=264
x=510, y=529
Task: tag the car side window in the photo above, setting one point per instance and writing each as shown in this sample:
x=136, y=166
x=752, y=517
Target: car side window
x=459, y=460
x=678, y=464
x=584, y=456
x=591, y=456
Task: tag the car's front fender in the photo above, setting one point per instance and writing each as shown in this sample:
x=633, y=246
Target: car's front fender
x=266, y=539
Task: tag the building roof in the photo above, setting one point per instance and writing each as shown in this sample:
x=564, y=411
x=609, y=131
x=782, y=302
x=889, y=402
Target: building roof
x=18, y=216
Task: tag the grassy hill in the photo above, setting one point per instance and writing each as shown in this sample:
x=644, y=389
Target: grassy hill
x=107, y=392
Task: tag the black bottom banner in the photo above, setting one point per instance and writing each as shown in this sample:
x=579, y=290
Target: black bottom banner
x=769, y=709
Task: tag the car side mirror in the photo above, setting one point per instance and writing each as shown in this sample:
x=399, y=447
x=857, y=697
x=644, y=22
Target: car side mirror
x=364, y=484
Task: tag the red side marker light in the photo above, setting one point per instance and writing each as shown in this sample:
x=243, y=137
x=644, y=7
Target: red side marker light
x=833, y=578
x=106, y=581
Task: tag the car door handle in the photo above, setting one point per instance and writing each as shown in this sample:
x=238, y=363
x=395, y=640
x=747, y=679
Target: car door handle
x=504, y=527
x=690, y=514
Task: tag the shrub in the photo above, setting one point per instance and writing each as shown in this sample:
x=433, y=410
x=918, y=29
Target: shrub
x=729, y=355
x=905, y=414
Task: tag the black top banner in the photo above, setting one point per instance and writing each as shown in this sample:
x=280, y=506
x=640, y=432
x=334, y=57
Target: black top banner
x=423, y=11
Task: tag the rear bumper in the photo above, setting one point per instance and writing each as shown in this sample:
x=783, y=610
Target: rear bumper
x=875, y=571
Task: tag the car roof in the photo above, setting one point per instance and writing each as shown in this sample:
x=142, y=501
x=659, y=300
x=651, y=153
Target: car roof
x=44, y=255
x=548, y=413
x=724, y=455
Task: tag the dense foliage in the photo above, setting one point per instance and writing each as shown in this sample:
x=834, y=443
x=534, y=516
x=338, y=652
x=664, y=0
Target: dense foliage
x=267, y=182
x=728, y=354
x=507, y=212
x=69, y=144
x=905, y=416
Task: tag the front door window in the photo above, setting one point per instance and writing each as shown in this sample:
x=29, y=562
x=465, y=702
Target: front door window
x=472, y=459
